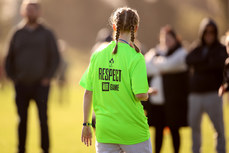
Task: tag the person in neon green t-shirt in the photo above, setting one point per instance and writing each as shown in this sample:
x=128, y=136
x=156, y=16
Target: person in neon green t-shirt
x=116, y=82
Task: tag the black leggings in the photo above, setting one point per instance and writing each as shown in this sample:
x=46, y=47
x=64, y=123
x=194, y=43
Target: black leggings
x=159, y=139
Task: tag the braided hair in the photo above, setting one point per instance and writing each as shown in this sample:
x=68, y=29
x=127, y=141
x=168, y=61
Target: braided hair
x=125, y=20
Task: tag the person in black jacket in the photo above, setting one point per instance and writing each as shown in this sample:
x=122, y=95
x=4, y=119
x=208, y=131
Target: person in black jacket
x=31, y=62
x=206, y=62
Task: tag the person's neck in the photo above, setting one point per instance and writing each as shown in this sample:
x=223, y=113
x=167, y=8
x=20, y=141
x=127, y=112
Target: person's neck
x=124, y=36
x=32, y=26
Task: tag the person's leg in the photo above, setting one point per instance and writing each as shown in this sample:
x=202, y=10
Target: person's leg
x=41, y=98
x=143, y=147
x=194, y=118
x=176, y=138
x=22, y=102
x=213, y=105
x=158, y=138
x=107, y=148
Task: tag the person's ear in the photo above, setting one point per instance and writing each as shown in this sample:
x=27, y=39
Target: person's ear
x=114, y=27
x=136, y=29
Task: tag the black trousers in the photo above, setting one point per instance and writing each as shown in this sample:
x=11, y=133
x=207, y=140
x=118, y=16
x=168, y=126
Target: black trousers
x=25, y=93
x=159, y=138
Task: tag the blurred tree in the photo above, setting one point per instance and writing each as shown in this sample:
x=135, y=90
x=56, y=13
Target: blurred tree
x=78, y=21
x=225, y=6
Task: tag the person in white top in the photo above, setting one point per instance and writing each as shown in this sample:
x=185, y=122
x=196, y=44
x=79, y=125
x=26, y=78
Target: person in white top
x=167, y=71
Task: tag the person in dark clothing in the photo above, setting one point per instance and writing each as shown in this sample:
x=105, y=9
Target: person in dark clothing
x=31, y=62
x=168, y=72
x=206, y=62
x=225, y=85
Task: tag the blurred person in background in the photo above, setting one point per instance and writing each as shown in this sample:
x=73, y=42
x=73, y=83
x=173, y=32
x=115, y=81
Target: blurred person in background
x=168, y=72
x=206, y=61
x=1, y=72
x=225, y=85
x=31, y=62
x=104, y=37
x=62, y=72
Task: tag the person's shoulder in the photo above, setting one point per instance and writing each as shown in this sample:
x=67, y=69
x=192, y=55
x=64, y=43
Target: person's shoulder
x=15, y=31
x=101, y=47
x=100, y=51
x=221, y=46
x=196, y=45
x=45, y=28
x=219, y=50
x=182, y=50
x=129, y=53
x=137, y=56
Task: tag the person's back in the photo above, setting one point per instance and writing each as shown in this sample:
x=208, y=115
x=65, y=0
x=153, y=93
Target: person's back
x=113, y=98
x=116, y=82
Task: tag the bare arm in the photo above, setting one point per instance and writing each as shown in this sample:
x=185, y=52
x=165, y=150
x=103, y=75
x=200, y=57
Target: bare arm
x=142, y=96
x=86, y=136
x=87, y=107
x=145, y=96
x=173, y=63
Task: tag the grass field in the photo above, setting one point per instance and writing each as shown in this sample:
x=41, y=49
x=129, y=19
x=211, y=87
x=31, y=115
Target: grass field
x=65, y=121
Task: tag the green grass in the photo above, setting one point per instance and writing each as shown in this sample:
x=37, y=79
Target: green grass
x=65, y=120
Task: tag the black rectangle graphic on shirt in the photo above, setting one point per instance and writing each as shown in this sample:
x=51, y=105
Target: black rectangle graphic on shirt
x=105, y=86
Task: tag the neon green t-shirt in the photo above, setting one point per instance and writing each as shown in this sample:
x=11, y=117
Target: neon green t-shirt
x=115, y=80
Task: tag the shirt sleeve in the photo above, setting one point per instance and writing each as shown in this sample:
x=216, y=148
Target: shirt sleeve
x=9, y=61
x=87, y=79
x=173, y=63
x=152, y=70
x=53, y=55
x=138, y=75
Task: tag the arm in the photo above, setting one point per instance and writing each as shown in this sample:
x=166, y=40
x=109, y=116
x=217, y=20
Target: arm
x=211, y=61
x=224, y=86
x=142, y=96
x=215, y=60
x=9, y=61
x=195, y=57
x=86, y=136
x=53, y=59
x=145, y=96
x=173, y=63
x=138, y=77
x=150, y=67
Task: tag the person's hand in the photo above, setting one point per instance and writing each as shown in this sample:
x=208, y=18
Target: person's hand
x=86, y=136
x=221, y=90
x=152, y=91
x=45, y=82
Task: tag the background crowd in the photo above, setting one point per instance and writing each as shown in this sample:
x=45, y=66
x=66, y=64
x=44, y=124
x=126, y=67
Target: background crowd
x=190, y=78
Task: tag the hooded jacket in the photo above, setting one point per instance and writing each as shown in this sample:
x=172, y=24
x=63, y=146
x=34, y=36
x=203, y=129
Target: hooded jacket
x=206, y=62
